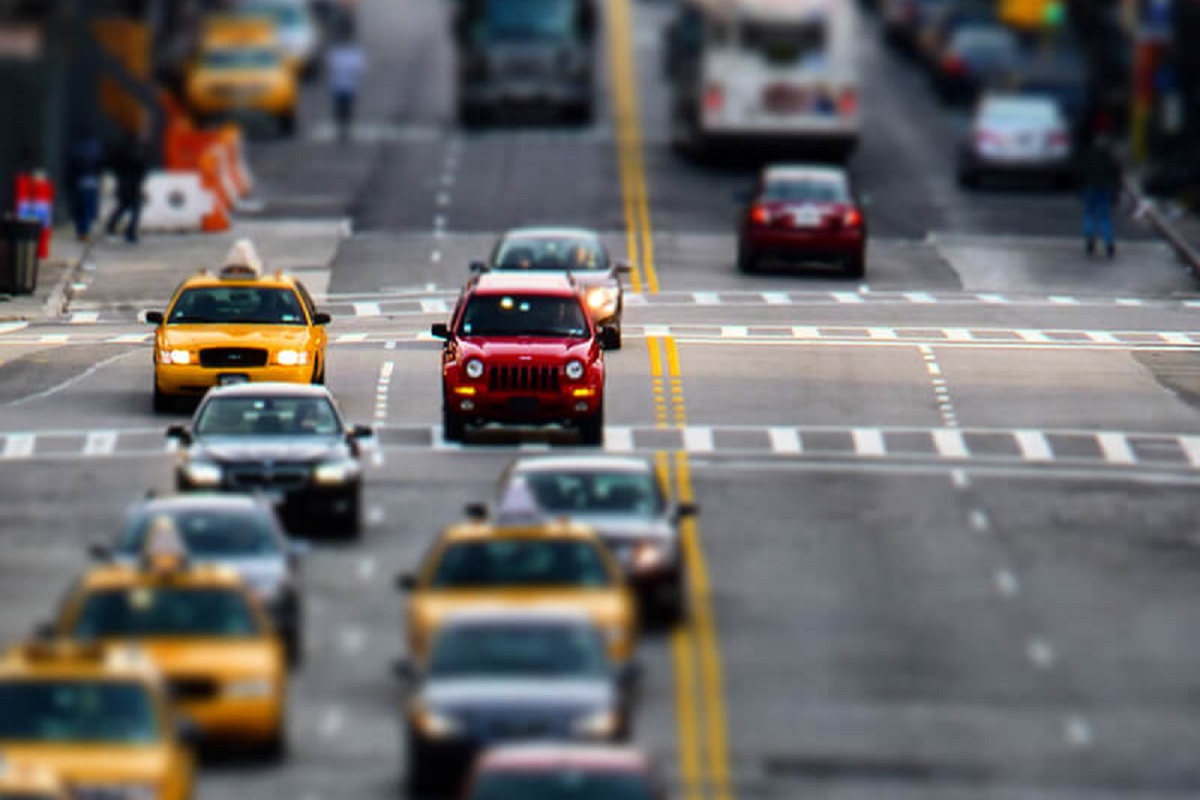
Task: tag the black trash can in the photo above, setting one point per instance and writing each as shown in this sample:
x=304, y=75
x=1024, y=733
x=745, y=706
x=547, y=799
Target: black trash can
x=19, y=239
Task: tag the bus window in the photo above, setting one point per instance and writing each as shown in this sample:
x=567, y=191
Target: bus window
x=786, y=44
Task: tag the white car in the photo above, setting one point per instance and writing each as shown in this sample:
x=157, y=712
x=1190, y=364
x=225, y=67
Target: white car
x=299, y=30
x=1016, y=134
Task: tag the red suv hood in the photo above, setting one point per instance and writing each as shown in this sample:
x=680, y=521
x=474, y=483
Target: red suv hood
x=540, y=349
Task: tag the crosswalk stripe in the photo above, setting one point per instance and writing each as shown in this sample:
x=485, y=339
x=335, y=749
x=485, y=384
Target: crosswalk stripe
x=868, y=442
x=618, y=439
x=958, y=334
x=1102, y=337
x=349, y=338
x=706, y=298
x=883, y=334
x=847, y=297
x=54, y=338
x=776, y=298
x=785, y=440
x=1116, y=449
x=806, y=332
x=919, y=297
x=100, y=443
x=734, y=332
x=698, y=439
x=1191, y=448
x=19, y=445
x=130, y=338
x=994, y=299
x=1032, y=336
x=434, y=307
x=1034, y=446
x=363, y=309
x=950, y=443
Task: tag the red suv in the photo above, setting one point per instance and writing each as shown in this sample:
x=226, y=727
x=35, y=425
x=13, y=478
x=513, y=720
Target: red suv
x=522, y=350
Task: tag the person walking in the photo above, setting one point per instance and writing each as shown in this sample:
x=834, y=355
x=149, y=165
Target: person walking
x=346, y=66
x=130, y=165
x=1101, y=181
x=84, y=164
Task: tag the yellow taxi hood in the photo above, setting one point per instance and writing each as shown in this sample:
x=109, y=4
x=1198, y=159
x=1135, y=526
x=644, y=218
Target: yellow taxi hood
x=213, y=656
x=606, y=606
x=192, y=336
x=95, y=763
x=239, y=77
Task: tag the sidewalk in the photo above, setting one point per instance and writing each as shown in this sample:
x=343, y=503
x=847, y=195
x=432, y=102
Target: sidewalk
x=53, y=275
x=1175, y=224
x=120, y=276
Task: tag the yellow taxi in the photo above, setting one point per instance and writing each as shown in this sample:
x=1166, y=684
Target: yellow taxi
x=99, y=718
x=241, y=68
x=204, y=628
x=30, y=782
x=520, y=559
x=239, y=325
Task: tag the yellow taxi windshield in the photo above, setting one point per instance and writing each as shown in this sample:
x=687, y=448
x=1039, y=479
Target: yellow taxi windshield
x=77, y=711
x=516, y=563
x=240, y=305
x=165, y=611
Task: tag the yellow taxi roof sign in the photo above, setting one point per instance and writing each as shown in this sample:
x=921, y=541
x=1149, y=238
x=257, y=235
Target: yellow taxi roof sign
x=163, y=550
x=240, y=30
x=518, y=507
x=243, y=262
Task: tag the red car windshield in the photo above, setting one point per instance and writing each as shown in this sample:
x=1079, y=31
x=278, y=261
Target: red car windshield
x=524, y=315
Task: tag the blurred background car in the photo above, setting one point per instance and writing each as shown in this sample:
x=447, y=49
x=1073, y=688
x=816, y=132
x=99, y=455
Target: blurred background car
x=975, y=56
x=238, y=532
x=902, y=21
x=577, y=251
x=943, y=19
x=301, y=36
x=622, y=499
x=803, y=213
x=1060, y=73
x=285, y=442
x=563, y=771
x=1016, y=135
x=512, y=674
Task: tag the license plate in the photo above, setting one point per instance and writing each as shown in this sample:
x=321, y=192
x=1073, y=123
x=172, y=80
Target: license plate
x=806, y=218
x=230, y=378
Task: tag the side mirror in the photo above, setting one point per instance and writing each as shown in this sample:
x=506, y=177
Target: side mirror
x=684, y=510
x=406, y=582
x=610, y=338
x=179, y=432
x=187, y=732
x=321, y=318
x=476, y=512
x=362, y=432
x=101, y=551
x=154, y=317
x=478, y=267
x=439, y=330
x=623, y=268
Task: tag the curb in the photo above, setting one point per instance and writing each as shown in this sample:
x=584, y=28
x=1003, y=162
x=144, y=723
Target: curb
x=1148, y=209
x=60, y=299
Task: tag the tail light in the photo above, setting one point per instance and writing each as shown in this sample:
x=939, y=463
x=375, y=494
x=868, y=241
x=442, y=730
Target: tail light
x=953, y=65
x=760, y=215
x=848, y=102
x=714, y=98
x=986, y=137
x=853, y=218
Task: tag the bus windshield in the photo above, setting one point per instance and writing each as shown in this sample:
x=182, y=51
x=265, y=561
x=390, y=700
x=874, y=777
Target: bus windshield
x=524, y=20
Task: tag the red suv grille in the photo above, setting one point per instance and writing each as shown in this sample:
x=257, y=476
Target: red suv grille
x=522, y=378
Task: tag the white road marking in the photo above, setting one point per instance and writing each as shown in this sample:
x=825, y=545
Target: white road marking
x=366, y=565
x=868, y=442
x=1060, y=300
x=806, y=332
x=434, y=307
x=1102, y=337
x=435, y=256
x=882, y=333
x=933, y=368
x=377, y=457
x=1116, y=449
x=958, y=334
x=130, y=338
x=1175, y=338
x=618, y=439
x=1006, y=583
x=54, y=338
x=994, y=299
x=698, y=439
x=13, y=326
x=1034, y=445
x=785, y=440
x=1040, y=653
x=366, y=309
x=390, y=344
x=1128, y=301
x=706, y=298
x=19, y=445
x=386, y=370
x=375, y=517
x=442, y=199
x=660, y=331
x=734, y=332
x=100, y=443
x=1078, y=732
x=950, y=444
x=978, y=519
x=332, y=722
x=84, y=318
x=847, y=297
x=87, y=373
x=776, y=298
x=919, y=297
x=350, y=338
x=353, y=640
x=960, y=479
x=1032, y=336
x=1191, y=448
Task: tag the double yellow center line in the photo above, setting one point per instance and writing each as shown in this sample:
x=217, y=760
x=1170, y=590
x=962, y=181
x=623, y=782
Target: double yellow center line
x=695, y=651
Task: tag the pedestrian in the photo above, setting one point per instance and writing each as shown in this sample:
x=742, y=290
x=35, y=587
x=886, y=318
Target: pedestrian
x=84, y=165
x=130, y=165
x=346, y=65
x=1101, y=181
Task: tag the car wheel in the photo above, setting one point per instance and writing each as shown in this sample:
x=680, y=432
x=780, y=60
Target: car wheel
x=420, y=778
x=591, y=430
x=275, y=749
x=350, y=521
x=580, y=113
x=453, y=426
x=293, y=645
x=471, y=115
x=968, y=178
x=747, y=262
x=163, y=403
x=673, y=603
x=856, y=266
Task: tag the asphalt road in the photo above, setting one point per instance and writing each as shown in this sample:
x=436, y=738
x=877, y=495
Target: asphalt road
x=947, y=546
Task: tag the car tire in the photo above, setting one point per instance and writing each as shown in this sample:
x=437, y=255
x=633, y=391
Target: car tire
x=318, y=378
x=747, y=261
x=350, y=521
x=471, y=115
x=968, y=178
x=419, y=779
x=163, y=402
x=580, y=114
x=275, y=749
x=454, y=427
x=856, y=266
x=591, y=430
x=286, y=123
x=293, y=645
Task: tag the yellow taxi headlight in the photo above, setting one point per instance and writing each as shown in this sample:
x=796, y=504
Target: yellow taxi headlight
x=598, y=724
x=250, y=688
x=435, y=724
x=175, y=356
x=291, y=358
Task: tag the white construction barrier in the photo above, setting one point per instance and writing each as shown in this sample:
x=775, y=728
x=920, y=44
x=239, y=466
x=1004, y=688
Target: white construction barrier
x=171, y=202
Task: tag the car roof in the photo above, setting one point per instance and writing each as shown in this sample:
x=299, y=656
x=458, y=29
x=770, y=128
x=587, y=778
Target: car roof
x=803, y=172
x=269, y=389
x=555, y=756
x=586, y=463
x=550, y=232
x=552, y=283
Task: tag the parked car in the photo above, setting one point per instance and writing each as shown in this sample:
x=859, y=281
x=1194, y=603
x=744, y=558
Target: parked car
x=975, y=56
x=943, y=19
x=1014, y=134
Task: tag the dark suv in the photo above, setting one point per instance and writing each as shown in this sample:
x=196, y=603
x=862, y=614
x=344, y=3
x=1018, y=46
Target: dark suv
x=522, y=350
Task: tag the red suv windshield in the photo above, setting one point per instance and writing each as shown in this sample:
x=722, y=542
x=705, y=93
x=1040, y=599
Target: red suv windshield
x=524, y=315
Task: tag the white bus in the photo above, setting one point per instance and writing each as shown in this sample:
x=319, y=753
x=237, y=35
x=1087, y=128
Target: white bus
x=747, y=73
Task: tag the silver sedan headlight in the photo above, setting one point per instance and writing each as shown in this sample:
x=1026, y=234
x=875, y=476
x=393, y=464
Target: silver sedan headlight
x=335, y=473
x=203, y=473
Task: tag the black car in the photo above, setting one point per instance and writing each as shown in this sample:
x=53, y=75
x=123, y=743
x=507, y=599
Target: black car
x=241, y=533
x=285, y=442
x=510, y=675
x=975, y=56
